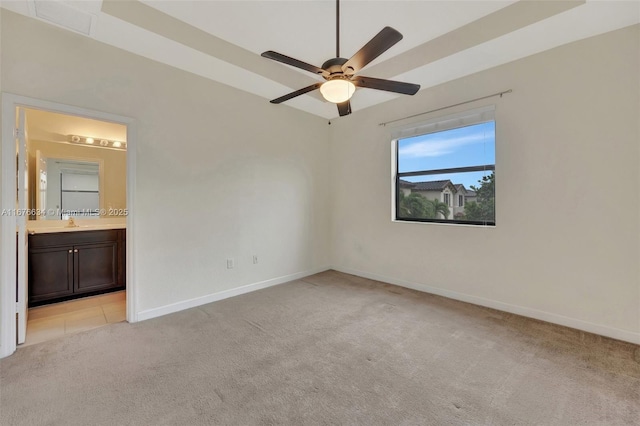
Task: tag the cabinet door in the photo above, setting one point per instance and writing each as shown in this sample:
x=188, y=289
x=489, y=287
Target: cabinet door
x=96, y=266
x=50, y=273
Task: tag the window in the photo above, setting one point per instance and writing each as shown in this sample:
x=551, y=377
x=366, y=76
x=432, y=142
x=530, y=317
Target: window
x=452, y=156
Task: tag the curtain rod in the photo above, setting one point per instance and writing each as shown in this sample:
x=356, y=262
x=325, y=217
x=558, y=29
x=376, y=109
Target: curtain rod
x=449, y=106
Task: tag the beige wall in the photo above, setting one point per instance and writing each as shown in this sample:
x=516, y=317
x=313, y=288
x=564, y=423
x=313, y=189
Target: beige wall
x=115, y=170
x=565, y=248
x=220, y=173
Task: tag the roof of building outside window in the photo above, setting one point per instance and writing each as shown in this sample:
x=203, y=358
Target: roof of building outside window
x=437, y=185
x=434, y=185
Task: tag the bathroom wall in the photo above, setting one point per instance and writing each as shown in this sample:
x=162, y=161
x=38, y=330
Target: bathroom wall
x=115, y=172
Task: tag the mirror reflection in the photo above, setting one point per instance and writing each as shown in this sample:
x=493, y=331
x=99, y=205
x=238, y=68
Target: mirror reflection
x=69, y=188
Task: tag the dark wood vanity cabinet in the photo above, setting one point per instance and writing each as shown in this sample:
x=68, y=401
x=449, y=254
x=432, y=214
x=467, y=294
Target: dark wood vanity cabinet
x=65, y=265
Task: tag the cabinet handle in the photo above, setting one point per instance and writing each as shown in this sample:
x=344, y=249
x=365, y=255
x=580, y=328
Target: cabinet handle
x=70, y=250
x=75, y=251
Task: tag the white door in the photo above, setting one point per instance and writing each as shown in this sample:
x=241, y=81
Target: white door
x=21, y=221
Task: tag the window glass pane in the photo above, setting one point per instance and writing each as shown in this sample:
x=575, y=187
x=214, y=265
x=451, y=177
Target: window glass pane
x=430, y=197
x=462, y=147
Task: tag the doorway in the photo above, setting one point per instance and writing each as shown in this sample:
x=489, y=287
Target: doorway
x=79, y=178
x=14, y=300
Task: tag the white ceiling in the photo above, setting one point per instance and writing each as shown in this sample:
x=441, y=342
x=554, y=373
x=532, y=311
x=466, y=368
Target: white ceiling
x=443, y=40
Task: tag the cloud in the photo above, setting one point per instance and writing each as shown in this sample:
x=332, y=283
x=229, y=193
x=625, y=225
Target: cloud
x=437, y=146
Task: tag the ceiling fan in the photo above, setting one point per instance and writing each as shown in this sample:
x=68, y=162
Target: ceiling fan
x=340, y=73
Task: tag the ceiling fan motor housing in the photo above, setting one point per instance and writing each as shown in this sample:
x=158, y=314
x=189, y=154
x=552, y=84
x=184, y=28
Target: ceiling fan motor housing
x=334, y=67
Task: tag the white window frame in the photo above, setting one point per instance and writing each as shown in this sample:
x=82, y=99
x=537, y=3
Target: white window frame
x=440, y=124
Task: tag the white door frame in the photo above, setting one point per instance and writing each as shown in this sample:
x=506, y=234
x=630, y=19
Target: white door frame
x=8, y=203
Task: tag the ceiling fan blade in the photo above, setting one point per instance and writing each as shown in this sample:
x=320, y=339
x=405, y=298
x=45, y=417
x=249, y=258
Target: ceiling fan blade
x=296, y=93
x=388, y=85
x=344, y=108
x=270, y=54
x=374, y=48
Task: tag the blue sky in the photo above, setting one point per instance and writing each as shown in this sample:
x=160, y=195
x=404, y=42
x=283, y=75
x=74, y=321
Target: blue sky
x=461, y=147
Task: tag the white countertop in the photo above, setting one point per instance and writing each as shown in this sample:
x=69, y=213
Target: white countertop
x=51, y=226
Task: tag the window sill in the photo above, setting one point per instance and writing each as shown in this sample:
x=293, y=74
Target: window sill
x=445, y=222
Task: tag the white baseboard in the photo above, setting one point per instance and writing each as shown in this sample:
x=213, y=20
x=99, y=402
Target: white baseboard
x=615, y=333
x=203, y=300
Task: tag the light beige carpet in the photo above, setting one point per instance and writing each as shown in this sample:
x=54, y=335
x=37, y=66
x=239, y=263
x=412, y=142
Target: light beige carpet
x=328, y=349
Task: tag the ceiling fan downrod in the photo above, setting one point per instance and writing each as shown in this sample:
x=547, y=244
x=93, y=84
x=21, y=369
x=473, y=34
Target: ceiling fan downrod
x=337, y=28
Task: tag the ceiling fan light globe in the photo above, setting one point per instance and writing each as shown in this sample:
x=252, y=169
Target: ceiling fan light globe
x=338, y=90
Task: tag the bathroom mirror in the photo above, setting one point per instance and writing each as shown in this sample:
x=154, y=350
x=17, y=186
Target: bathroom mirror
x=69, y=188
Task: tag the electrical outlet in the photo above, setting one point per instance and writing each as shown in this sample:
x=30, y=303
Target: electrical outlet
x=255, y=259
x=230, y=263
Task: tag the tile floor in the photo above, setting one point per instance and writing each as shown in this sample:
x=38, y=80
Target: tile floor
x=52, y=321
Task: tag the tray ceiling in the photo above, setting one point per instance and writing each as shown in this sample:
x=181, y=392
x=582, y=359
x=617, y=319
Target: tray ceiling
x=222, y=40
